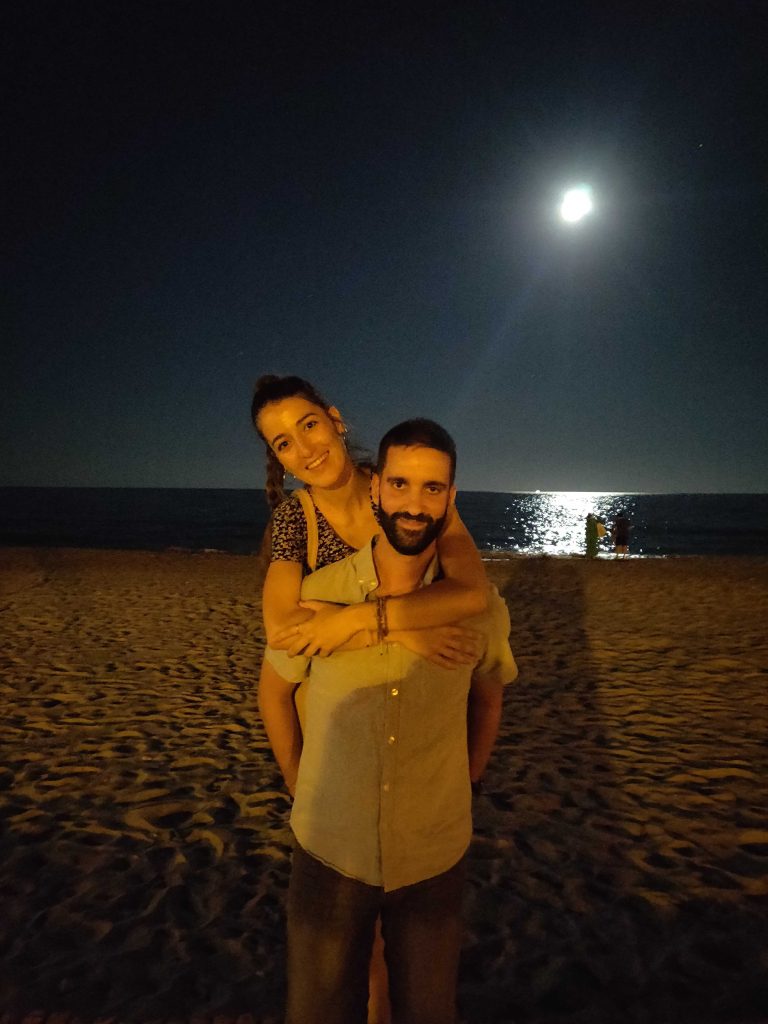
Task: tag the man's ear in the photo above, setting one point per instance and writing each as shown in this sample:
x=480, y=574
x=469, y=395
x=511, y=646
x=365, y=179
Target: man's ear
x=452, y=496
x=338, y=422
x=375, y=488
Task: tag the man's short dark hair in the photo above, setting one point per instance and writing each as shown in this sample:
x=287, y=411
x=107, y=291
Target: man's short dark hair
x=425, y=433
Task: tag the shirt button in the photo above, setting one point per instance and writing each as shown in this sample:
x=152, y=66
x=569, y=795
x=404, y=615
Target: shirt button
x=395, y=691
x=385, y=787
x=391, y=740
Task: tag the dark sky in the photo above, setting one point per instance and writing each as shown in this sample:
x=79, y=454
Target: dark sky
x=198, y=193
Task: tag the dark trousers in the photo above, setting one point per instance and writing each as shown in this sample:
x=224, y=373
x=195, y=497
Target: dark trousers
x=331, y=922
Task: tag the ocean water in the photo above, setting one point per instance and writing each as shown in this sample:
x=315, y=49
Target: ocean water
x=234, y=520
x=662, y=524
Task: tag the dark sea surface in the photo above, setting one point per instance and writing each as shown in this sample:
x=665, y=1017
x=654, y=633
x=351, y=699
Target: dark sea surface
x=234, y=520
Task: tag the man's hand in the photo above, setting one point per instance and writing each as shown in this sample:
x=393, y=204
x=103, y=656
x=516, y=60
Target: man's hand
x=330, y=627
x=446, y=646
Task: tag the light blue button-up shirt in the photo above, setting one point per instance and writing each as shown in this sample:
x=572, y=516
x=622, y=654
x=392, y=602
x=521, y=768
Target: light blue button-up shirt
x=383, y=791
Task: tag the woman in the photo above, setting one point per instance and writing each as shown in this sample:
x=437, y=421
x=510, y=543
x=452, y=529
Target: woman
x=306, y=437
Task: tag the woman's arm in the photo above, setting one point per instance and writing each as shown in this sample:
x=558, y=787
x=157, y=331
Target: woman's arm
x=280, y=600
x=460, y=595
x=447, y=646
x=282, y=583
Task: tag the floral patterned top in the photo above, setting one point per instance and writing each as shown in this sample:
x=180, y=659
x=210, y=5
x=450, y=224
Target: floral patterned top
x=289, y=537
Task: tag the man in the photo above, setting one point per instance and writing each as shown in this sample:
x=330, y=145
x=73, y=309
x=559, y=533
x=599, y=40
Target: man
x=382, y=810
x=620, y=535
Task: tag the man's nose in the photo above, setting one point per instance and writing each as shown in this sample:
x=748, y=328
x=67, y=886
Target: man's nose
x=413, y=504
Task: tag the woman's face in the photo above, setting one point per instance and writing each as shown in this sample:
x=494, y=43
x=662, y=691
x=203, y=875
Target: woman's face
x=307, y=440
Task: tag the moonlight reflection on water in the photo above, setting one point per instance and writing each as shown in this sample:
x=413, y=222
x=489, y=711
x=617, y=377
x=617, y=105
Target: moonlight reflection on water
x=558, y=524
x=553, y=523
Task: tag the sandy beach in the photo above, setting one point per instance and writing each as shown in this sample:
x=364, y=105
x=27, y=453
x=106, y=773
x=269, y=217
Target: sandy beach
x=619, y=869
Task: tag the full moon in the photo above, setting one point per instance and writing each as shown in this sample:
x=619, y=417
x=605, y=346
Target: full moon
x=576, y=204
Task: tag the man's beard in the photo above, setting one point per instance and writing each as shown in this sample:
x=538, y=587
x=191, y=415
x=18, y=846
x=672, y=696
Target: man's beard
x=409, y=543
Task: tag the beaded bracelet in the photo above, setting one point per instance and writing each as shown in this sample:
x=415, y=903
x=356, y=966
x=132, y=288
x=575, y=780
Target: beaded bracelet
x=381, y=619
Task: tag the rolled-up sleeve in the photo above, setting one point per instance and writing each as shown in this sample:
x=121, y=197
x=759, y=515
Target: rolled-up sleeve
x=497, y=657
x=291, y=669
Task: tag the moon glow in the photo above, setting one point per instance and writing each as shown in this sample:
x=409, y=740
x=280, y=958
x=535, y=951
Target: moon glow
x=576, y=204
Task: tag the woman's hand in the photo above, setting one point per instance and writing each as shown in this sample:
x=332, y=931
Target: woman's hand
x=329, y=627
x=446, y=646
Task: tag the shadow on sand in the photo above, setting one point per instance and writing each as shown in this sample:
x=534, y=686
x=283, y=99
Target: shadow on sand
x=571, y=915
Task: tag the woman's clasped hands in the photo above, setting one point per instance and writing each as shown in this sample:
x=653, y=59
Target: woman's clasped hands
x=331, y=627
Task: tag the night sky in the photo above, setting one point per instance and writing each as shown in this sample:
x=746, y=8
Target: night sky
x=199, y=193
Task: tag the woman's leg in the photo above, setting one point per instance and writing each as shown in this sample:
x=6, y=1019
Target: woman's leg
x=379, y=1009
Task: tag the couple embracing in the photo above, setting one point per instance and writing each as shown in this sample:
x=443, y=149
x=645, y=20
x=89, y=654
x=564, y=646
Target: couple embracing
x=376, y=602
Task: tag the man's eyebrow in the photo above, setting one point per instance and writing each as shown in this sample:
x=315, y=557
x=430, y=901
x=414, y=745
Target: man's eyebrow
x=298, y=421
x=395, y=477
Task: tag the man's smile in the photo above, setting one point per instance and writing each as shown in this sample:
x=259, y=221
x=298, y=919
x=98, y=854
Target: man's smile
x=411, y=523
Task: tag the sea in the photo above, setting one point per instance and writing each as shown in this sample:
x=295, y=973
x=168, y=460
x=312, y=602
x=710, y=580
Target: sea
x=540, y=523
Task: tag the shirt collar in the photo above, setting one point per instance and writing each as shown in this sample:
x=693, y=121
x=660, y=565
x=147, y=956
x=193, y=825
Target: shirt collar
x=366, y=570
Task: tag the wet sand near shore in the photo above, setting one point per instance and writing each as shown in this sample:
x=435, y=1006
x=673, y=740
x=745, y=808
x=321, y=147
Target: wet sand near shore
x=619, y=869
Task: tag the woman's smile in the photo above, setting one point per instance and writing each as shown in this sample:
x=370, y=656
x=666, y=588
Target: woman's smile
x=317, y=462
x=306, y=439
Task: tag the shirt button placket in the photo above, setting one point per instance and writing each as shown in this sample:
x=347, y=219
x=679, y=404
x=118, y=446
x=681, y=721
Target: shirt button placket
x=389, y=759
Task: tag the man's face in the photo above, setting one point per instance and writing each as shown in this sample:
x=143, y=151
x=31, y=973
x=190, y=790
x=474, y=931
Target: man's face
x=413, y=495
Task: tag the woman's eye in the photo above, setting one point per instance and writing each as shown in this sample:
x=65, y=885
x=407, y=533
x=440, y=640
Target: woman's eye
x=310, y=423
x=281, y=445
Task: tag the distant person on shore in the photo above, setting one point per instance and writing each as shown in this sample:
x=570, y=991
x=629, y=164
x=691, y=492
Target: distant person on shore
x=594, y=532
x=620, y=534
x=332, y=518
x=382, y=811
